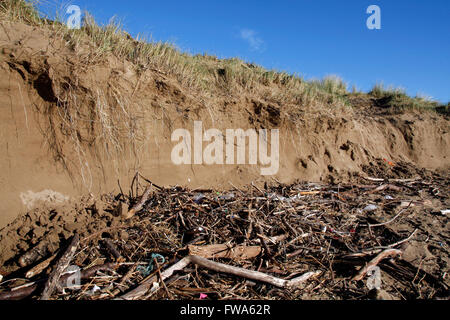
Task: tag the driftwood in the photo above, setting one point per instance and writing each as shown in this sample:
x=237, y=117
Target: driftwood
x=224, y=251
x=138, y=206
x=33, y=255
x=392, y=180
x=112, y=248
x=28, y=289
x=250, y=274
x=40, y=267
x=377, y=249
x=383, y=255
x=145, y=286
x=287, y=228
x=219, y=267
x=62, y=265
x=20, y=293
x=274, y=239
x=390, y=220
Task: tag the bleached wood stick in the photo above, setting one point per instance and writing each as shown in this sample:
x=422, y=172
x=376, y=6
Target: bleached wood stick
x=147, y=284
x=219, y=267
x=21, y=292
x=250, y=274
x=40, y=267
x=392, y=180
x=138, y=206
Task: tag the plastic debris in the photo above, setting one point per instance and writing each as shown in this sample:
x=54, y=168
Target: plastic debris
x=392, y=164
x=94, y=289
x=445, y=212
x=203, y=296
x=370, y=207
x=228, y=196
x=388, y=197
x=145, y=271
x=198, y=198
x=274, y=196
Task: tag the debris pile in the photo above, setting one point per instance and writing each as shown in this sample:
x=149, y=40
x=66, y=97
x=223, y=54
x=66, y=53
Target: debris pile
x=371, y=239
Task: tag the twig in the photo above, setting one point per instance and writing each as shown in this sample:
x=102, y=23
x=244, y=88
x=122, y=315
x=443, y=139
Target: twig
x=256, y=187
x=402, y=241
x=389, y=221
x=112, y=248
x=26, y=290
x=138, y=206
x=375, y=249
x=383, y=255
x=62, y=264
x=158, y=271
x=392, y=180
x=385, y=186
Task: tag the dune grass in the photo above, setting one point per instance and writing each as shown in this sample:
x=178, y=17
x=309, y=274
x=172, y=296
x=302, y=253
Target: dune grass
x=207, y=74
x=397, y=97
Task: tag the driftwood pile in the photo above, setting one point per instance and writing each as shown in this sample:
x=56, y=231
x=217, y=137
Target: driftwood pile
x=304, y=241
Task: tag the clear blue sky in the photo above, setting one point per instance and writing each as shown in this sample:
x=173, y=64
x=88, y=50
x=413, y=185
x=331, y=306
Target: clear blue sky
x=313, y=38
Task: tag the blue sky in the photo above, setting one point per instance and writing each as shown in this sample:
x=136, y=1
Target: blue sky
x=313, y=38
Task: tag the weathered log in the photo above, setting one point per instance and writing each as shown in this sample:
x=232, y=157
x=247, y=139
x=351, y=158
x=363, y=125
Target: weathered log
x=62, y=265
x=40, y=267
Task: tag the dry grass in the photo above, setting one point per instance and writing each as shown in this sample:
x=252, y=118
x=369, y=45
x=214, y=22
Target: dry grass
x=206, y=74
x=397, y=97
x=19, y=10
x=201, y=72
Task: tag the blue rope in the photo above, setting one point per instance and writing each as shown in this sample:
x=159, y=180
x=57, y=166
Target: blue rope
x=145, y=271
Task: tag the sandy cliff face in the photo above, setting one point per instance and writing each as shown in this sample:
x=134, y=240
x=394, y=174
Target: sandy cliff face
x=72, y=124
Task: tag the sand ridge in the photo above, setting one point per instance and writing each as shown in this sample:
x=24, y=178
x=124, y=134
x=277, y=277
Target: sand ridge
x=78, y=125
